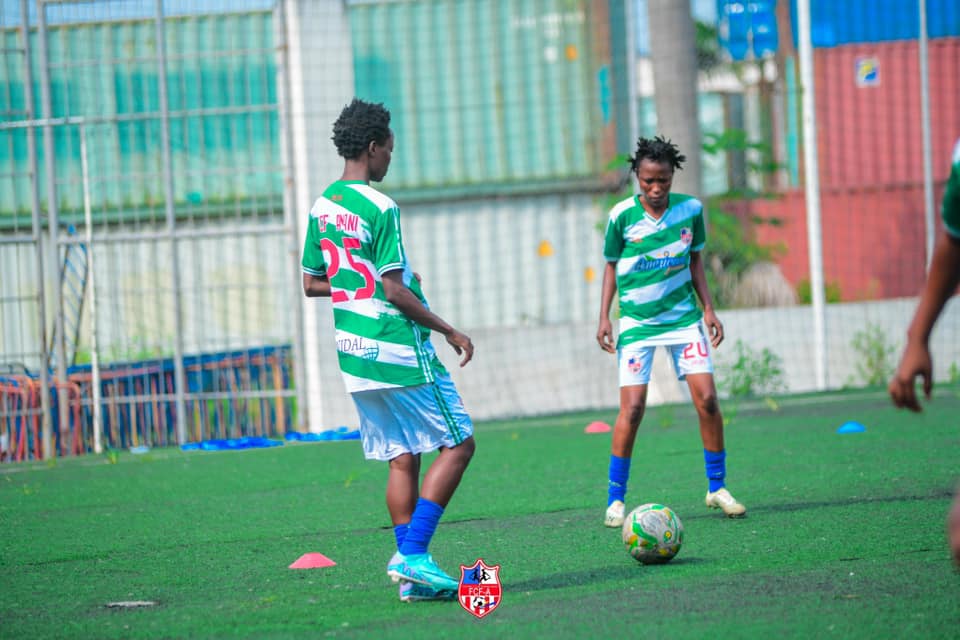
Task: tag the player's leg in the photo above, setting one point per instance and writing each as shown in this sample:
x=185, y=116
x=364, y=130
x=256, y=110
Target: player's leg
x=444, y=475
x=434, y=418
x=703, y=391
x=439, y=484
x=633, y=404
x=693, y=363
x=403, y=484
x=633, y=401
x=382, y=438
x=635, y=363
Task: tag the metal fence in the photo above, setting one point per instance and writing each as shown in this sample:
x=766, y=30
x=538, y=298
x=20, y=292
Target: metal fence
x=157, y=159
x=145, y=247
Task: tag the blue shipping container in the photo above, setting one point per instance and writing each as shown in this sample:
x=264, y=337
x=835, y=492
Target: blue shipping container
x=835, y=23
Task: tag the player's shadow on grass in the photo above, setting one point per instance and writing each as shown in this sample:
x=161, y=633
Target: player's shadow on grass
x=944, y=494
x=626, y=570
x=787, y=507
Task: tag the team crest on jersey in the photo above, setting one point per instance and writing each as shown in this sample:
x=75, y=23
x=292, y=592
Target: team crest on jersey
x=480, y=591
x=686, y=235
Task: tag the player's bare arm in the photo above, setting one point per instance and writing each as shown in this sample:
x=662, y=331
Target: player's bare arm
x=410, y=305
x=315, y=286
x=605, y=328
x=699, y=277
x=916, y=361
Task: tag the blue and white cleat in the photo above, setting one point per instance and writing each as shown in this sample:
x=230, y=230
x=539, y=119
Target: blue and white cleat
x=420, y=568
x=413, y=592
x=395, y=561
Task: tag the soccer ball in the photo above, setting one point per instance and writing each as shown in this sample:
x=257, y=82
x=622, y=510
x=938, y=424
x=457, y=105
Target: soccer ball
x=652, y=533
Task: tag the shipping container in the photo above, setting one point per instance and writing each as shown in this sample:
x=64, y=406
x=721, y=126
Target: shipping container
x=223, y=122
x=491, y=95
x=836, y=23
x=871, y=167
x=869, y=116
x=873, y=239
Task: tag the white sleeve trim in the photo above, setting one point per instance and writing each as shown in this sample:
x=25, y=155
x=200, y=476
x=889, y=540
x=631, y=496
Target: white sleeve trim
x=393, y=266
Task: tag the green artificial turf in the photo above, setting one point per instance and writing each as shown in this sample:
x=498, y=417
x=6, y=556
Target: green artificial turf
x=844, y=538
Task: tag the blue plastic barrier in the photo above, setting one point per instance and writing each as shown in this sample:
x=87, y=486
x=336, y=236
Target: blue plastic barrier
x=341, y=433
x=232, y=444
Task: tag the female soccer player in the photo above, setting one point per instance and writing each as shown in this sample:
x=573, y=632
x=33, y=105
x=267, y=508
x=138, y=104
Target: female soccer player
x=652, y=246
x=404, y=396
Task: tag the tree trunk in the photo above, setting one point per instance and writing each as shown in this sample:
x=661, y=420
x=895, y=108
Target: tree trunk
x=673, y=53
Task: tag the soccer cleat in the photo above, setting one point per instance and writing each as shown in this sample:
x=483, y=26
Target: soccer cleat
x=421, y=568
x=721, y=499
x=395, y=561
x=413, y=592
x=614, y=515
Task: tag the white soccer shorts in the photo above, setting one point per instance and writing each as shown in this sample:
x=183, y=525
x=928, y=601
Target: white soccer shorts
x=690, y=354
x=413, y=420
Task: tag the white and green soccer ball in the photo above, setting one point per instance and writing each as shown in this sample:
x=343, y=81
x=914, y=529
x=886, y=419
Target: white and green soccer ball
x=652, y=533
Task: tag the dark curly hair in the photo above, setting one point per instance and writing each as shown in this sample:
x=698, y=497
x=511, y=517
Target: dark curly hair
x=360, y=123
x=659, y=150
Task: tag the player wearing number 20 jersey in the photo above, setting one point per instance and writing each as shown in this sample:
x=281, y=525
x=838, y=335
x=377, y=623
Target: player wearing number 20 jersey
x=378, y=347
x=653, y=250
x=653, y=267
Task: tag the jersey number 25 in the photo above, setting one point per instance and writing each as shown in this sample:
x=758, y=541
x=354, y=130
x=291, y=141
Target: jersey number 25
x=333, y=266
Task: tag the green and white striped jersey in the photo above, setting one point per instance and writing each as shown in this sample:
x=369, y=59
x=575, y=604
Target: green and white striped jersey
x=353, y=238
x=951, y=197
x=653, y=265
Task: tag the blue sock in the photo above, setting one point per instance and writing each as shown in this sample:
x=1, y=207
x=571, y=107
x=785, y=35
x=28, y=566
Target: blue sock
x=619, y=473
x=715, y=463
x=400, y=532
x=424, y=522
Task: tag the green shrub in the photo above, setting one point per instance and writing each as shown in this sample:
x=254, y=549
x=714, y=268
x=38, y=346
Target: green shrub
x=752, y=374
x=831, y=289
x=875, y=355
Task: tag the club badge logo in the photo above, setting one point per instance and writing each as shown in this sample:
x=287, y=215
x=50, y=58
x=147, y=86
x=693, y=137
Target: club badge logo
x=480, y=591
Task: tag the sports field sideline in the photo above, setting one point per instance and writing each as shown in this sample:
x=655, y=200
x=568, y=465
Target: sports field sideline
x=845, y=534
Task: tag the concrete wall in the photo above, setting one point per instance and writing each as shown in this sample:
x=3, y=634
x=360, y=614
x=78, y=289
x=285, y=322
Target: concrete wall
x=542, y=370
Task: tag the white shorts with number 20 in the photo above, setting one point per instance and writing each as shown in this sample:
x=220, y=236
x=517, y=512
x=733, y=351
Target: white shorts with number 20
x=687, y=347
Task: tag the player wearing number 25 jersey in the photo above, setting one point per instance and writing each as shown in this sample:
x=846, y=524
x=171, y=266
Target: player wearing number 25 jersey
x=407, y=403
x=652, y=247
x=353, y=237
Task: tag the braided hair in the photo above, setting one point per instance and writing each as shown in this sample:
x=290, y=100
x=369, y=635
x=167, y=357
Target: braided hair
x=658, y=149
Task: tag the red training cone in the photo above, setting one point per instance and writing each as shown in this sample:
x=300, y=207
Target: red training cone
x=312, y=561
x=598, y=427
